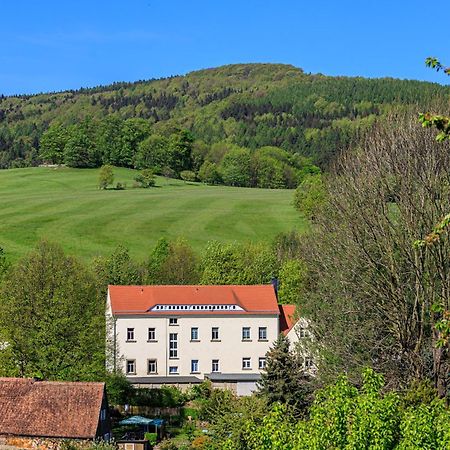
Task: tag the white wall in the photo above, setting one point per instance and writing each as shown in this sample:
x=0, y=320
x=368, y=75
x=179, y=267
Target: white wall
x=229, y=350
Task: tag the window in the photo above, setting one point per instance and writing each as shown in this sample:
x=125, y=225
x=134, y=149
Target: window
x=130, y=334
x=262, y=363
x=173, y=345
x=173, y=321
x=309, y=363
x=152, y=334
x=152, y=366
x=245, y=333
x=173, y=370
x=262, y=334
x=303, y=332
x=215, y=333
x=194, y=334
x=131, y=366
x=246, y=363
x=194, y=366
x=215, y=365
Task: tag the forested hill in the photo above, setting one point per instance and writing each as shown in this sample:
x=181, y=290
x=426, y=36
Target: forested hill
x=251, y=105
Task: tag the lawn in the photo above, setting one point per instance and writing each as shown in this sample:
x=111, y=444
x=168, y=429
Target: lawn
x=65, y=205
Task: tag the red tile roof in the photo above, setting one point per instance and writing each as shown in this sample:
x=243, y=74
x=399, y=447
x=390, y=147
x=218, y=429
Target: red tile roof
x=128, y=300
x=287, y=318
x=49, y=408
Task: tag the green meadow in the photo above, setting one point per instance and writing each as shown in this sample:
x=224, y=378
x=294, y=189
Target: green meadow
x=64, y=205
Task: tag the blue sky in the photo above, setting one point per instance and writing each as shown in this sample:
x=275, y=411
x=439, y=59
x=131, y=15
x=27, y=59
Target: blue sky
x=48, y=45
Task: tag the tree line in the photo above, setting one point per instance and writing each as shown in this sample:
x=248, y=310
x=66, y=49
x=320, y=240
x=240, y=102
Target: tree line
x=130, y=143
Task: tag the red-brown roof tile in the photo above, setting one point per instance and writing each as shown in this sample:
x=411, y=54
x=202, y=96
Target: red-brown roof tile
x=139, y=299
x=49, y=409
x=287, y=318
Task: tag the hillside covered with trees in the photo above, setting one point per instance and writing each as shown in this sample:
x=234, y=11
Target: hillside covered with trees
x=259, y=125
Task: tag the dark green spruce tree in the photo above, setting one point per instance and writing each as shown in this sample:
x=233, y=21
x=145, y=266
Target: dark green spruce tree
x=283, y=379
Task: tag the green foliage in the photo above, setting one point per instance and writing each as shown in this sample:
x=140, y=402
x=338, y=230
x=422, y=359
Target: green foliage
x=52, y=144
x=440, y=122
x=166, y=396
x=105, y=177
x=238, y=264
x=180, y=266
x=145, y=178
x=209, y=174
x=188, y=175
x=250, y=105
x=118, y=268
x=343, y=417
x=283, y=379
x=119, y=389
x=236, y=167
x=152, y=153
x=310, y=195
x=52, y=316
x=152, y=438
x=292, y=277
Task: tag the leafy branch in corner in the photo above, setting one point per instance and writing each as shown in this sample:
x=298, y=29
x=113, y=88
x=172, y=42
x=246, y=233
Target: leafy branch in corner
x=441, y=123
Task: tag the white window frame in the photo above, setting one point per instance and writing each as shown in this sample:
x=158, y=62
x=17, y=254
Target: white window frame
x=196, y=338
x=152, y=361
x=130, y=335
x=195, y=366
x=173, y=321
x=261, y=363
x=215, y=330
x=215, y=363
x=246, y=334
x=127, y=363
x=151, y=332
x=263, y=331
x=173, y=345
x=246, y=363
x=173, y=372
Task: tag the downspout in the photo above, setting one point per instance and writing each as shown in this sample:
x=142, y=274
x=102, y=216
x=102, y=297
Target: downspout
x=115, y=347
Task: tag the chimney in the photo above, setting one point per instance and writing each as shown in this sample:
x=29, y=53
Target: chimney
x=275, y=284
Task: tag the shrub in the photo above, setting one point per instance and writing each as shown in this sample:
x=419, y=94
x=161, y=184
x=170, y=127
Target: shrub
x=188, y=175
x=105, y=176
x=152, y=438
x=145, y=179
x=120, y=186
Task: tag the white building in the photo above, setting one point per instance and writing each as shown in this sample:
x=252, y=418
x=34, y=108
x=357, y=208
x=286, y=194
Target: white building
x=181, y=335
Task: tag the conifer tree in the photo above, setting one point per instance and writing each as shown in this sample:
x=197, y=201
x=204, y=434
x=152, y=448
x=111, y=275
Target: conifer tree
x=283, y=379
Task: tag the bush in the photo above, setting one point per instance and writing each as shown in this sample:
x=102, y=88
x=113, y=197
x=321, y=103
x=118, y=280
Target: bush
x=188, y=175
x=152, y=438
x=105, y=176
x=145, y=179
x=120, y=186
x=119, y=389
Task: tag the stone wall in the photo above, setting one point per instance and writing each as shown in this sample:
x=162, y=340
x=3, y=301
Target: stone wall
x=36, y=443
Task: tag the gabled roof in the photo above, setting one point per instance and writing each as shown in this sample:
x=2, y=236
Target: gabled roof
x=50, y=408
x=253, y=299
x=287, y=318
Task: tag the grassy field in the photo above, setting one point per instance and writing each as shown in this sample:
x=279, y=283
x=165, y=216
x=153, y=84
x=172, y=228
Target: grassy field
x=64, y=205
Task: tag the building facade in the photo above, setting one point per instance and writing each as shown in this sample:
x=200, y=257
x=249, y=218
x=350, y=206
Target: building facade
x=184, y=334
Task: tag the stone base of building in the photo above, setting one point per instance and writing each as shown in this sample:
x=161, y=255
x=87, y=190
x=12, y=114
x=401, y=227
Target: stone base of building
x=36, y=443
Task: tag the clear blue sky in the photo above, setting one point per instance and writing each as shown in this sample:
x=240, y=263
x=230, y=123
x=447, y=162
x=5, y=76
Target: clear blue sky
x=60, y=44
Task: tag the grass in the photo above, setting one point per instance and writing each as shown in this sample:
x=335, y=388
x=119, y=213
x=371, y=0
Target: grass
x=64, y=205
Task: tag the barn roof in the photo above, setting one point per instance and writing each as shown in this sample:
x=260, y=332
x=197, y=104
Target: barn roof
x=50, y=408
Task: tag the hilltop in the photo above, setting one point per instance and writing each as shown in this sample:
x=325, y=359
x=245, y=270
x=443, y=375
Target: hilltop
x=251, y=105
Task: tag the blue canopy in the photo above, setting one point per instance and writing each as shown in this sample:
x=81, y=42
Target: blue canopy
x=139, y=420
